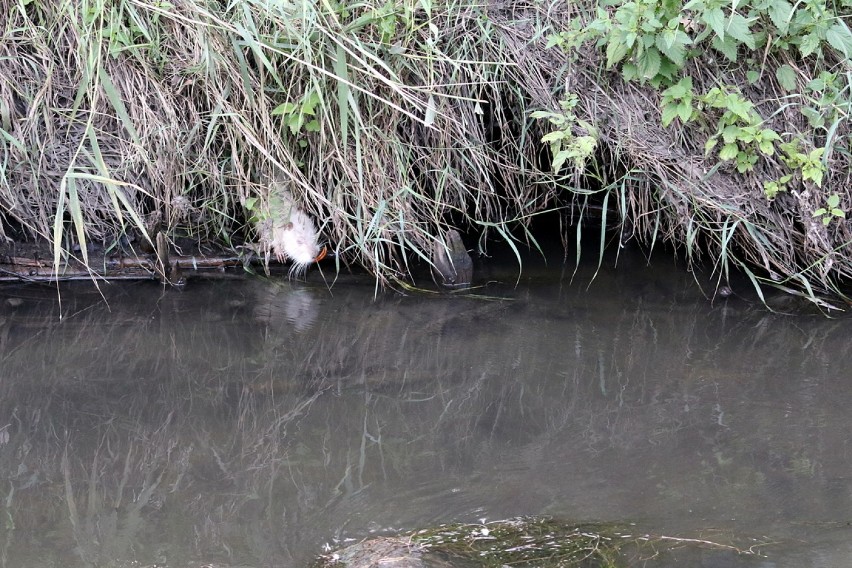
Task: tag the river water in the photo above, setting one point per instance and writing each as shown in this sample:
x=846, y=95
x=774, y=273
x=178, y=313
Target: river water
x=250, y=423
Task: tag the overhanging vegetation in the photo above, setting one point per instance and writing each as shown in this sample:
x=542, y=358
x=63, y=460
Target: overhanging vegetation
x=720, y=127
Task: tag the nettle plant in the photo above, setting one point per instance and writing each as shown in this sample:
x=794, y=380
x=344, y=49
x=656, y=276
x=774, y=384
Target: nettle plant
x=651, y=41
x=571, y=139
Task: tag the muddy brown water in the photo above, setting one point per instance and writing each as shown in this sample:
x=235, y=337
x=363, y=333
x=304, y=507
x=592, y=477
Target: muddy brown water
x=250, y=423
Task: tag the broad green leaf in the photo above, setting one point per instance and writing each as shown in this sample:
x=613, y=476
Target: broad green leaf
x=615, y=52
x=809, y=44
x=730, y=134
x=833, y=201
x=741, y=107
x=728, y=152
x=629, y=72
x=709, y=145
x=312, y=126
x=780, y=12
x=738, y=28
x=585, y=145
x=816, y=119
x=684, y=111
x=648, y=64
x=816, y=85
x=284, y=108
x=715, y=19
x=677, y=91
x=786, y=77
x=771, y=189
x=839, y=37
x=671, y=44
x=752, y=76
x=559, y=160
x=728, y=47
x=554, y=136
x=769, y=134
x=669, y=114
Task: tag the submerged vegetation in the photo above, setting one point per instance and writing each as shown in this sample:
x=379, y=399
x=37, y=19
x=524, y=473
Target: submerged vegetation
x=720, y=127
x=524, y=542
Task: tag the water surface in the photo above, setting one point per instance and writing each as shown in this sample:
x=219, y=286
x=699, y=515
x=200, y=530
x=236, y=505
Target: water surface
x=249, y=423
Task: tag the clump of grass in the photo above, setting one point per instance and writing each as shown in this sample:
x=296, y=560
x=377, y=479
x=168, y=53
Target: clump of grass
x=388, y=122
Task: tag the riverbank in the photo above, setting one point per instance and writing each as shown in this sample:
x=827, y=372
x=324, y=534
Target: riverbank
x=723, y=132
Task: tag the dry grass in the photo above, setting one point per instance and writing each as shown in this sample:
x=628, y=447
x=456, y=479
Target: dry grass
x=389, y=122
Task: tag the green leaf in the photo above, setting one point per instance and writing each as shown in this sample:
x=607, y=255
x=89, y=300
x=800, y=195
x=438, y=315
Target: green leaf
x=715, y=19
x=76, y=212
x=816, y=119
x=752, y=76
x=819, y=212
x=780, y=12
x=833, y=201
x=767, y=148
x=786, y=77
x=740, y=107
x=839, y=37
x=342, y=73
x=729, y=152
x=312, y=126
x=648, y=64
x=615, y=52
x=554, y=136
x=669, y=114
x=730, y=134
x=684, y=111
x=809, y=44
x=710, y=144
x=116, y=102
x=559, y=160
x=813, y=173
x=728, y=47
x=769, y=134
x=671, y=44
x=738, y=28
x=680, y=89
x=284, y=108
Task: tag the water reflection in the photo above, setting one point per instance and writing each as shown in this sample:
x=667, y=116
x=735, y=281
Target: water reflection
x=248, y=423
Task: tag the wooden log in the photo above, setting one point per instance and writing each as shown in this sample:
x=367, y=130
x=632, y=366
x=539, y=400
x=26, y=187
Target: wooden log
x=116, y=268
